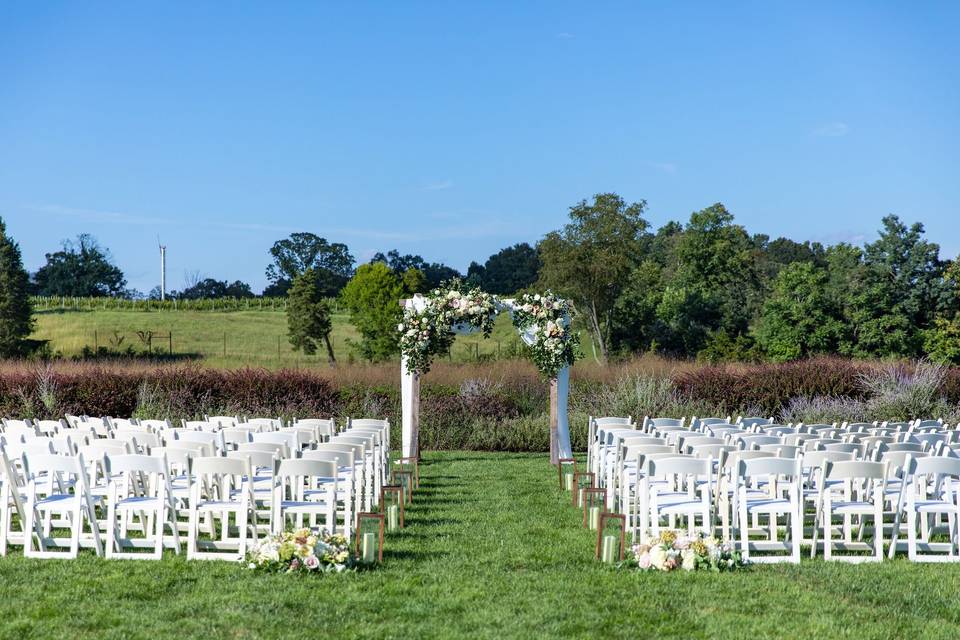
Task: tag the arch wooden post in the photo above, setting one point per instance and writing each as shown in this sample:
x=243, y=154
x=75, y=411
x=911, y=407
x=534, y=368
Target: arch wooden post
x=554, y=445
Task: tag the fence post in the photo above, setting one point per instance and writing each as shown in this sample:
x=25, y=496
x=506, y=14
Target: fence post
x=170, y=339
x=224, y=344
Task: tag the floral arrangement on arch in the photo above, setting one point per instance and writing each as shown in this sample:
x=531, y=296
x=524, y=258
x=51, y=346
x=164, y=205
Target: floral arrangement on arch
x=673, y=550
x=430, y=331
x=301, y=551
x=547, y=319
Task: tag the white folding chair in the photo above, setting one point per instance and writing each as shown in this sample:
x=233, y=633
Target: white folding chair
x=781, y=479
x=934, y=490
x=676, y=487
x=58, y=485
x=305, y=488
x=852, y=488
x=140, y=485
x=220, y=487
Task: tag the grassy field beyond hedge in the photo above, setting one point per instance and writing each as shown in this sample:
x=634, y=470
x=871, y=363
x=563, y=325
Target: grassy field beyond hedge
x=492, y=550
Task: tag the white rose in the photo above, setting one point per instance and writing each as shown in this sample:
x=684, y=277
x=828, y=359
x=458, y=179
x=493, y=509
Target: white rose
x=689, y=560
x=658, y=557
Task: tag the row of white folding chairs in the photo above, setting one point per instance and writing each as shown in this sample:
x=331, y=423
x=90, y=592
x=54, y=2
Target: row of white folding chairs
x=161, y=489
x=607, y=431
x=749, y=484
x=631, y=443
x=369, y=442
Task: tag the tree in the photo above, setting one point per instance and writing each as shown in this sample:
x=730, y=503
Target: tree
x=292, y=256
x=899, y=290
x=373, y=298
x=635, y=310
x=590, y=258
x=434, y=273
x=798, y=319
x=210, y=288
x=712, y=283
x=80, y=268
x=507, y=271
x=942, y=340
x=16, y=320
x=308, y=315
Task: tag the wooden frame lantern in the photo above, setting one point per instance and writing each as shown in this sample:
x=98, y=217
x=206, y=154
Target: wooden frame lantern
x=391, y=504
x=594, y=501
x=611, y=537
x=566, y=467
x=581, y=480
x=369, y=538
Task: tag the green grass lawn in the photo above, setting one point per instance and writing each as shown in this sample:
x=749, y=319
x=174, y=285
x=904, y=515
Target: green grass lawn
x=492, y=550
x=253, y=338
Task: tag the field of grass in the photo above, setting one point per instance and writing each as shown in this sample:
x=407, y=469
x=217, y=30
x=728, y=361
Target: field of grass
x=227, y=339
x=492, y=550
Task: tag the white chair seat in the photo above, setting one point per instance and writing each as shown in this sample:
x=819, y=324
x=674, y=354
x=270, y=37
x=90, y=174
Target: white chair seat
x=935, y=506
x=297, y=506
x=56, y=502
x=138, y=503
x=852, y=507
x=688, y=506
x=771, y=505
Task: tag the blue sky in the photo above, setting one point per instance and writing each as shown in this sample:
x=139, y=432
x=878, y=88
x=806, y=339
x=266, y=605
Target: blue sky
x=454, y=129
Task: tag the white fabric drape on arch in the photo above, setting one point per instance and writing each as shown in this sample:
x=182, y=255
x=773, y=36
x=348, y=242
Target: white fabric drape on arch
x=408, y=389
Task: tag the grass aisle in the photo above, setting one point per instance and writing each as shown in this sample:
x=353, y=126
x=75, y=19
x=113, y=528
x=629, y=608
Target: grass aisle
x=492, y=549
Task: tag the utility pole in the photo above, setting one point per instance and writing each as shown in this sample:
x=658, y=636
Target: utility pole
x=163, y=270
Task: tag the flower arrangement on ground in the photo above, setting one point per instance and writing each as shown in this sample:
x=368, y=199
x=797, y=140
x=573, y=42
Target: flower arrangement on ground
x=429, y=331
x=673, y=550
x=301, y=550
x=547, y=319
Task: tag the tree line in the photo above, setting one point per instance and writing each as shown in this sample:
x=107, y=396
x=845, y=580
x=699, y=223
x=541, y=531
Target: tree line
x=705, y=288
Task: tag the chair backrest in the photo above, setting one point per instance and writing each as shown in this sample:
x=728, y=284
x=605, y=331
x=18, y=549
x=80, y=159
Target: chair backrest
x=368, y=422
x=40, y=463
x=305, y=468
x=230, y=436
x=816, y=459
x=19, y=429
x=642, y=439
x=99, y=449
x=696, y=422
x=859, y=450
x=220, y=466
x=263, y=424
x=49, y=427
x=898, y=460
x=916, y=447
x=122, y=423
x=289, y=440
x=700, y=440
x=681, y=465
x=754, y=421
x=212, y=439
x=325, y=427
x=930, y=439
x=782, y=450
x=136, y=463
x=305, y=435
x=937, y=465
x=710, y=450
x=341, y=458
x=798, y=438
x=856, y=469
x=657, y=423
x=778, y=430
x=140, y=440
x=16, y=450
x=274, y=448
x=200, y=425
x=724, y=430
x=356, y=449
x=751, y=441
x=759, y=467
x=258, y=459
x=609, y=421
x=174, y=456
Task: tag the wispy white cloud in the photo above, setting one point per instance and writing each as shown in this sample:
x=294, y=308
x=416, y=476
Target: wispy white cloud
x=666, y=167
x=438, y=186
x=832, y=130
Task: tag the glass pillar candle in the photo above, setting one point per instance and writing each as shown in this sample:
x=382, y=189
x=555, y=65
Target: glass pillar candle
x=369, y=538
x=391, y=503
x=567, y=467
x=581, y=480
x=594, y=501
x=611, y=535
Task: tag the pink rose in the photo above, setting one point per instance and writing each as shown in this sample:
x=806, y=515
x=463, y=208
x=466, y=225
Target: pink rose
x=312, y=562
x=644, y=560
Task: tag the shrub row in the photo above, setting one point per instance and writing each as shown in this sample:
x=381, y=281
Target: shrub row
x=509, y=412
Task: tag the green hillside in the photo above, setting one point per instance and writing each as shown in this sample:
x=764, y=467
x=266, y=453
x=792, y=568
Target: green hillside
x=223, y=339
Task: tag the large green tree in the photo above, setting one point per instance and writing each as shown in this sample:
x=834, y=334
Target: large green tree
x=590, y=259
x=81, y=268
x=291, y=256
x=373, y=298
x=713, y=283
x=798, y=319
x=16, y=321
x=308, y=315
x=507, y=271
x=899, y=291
